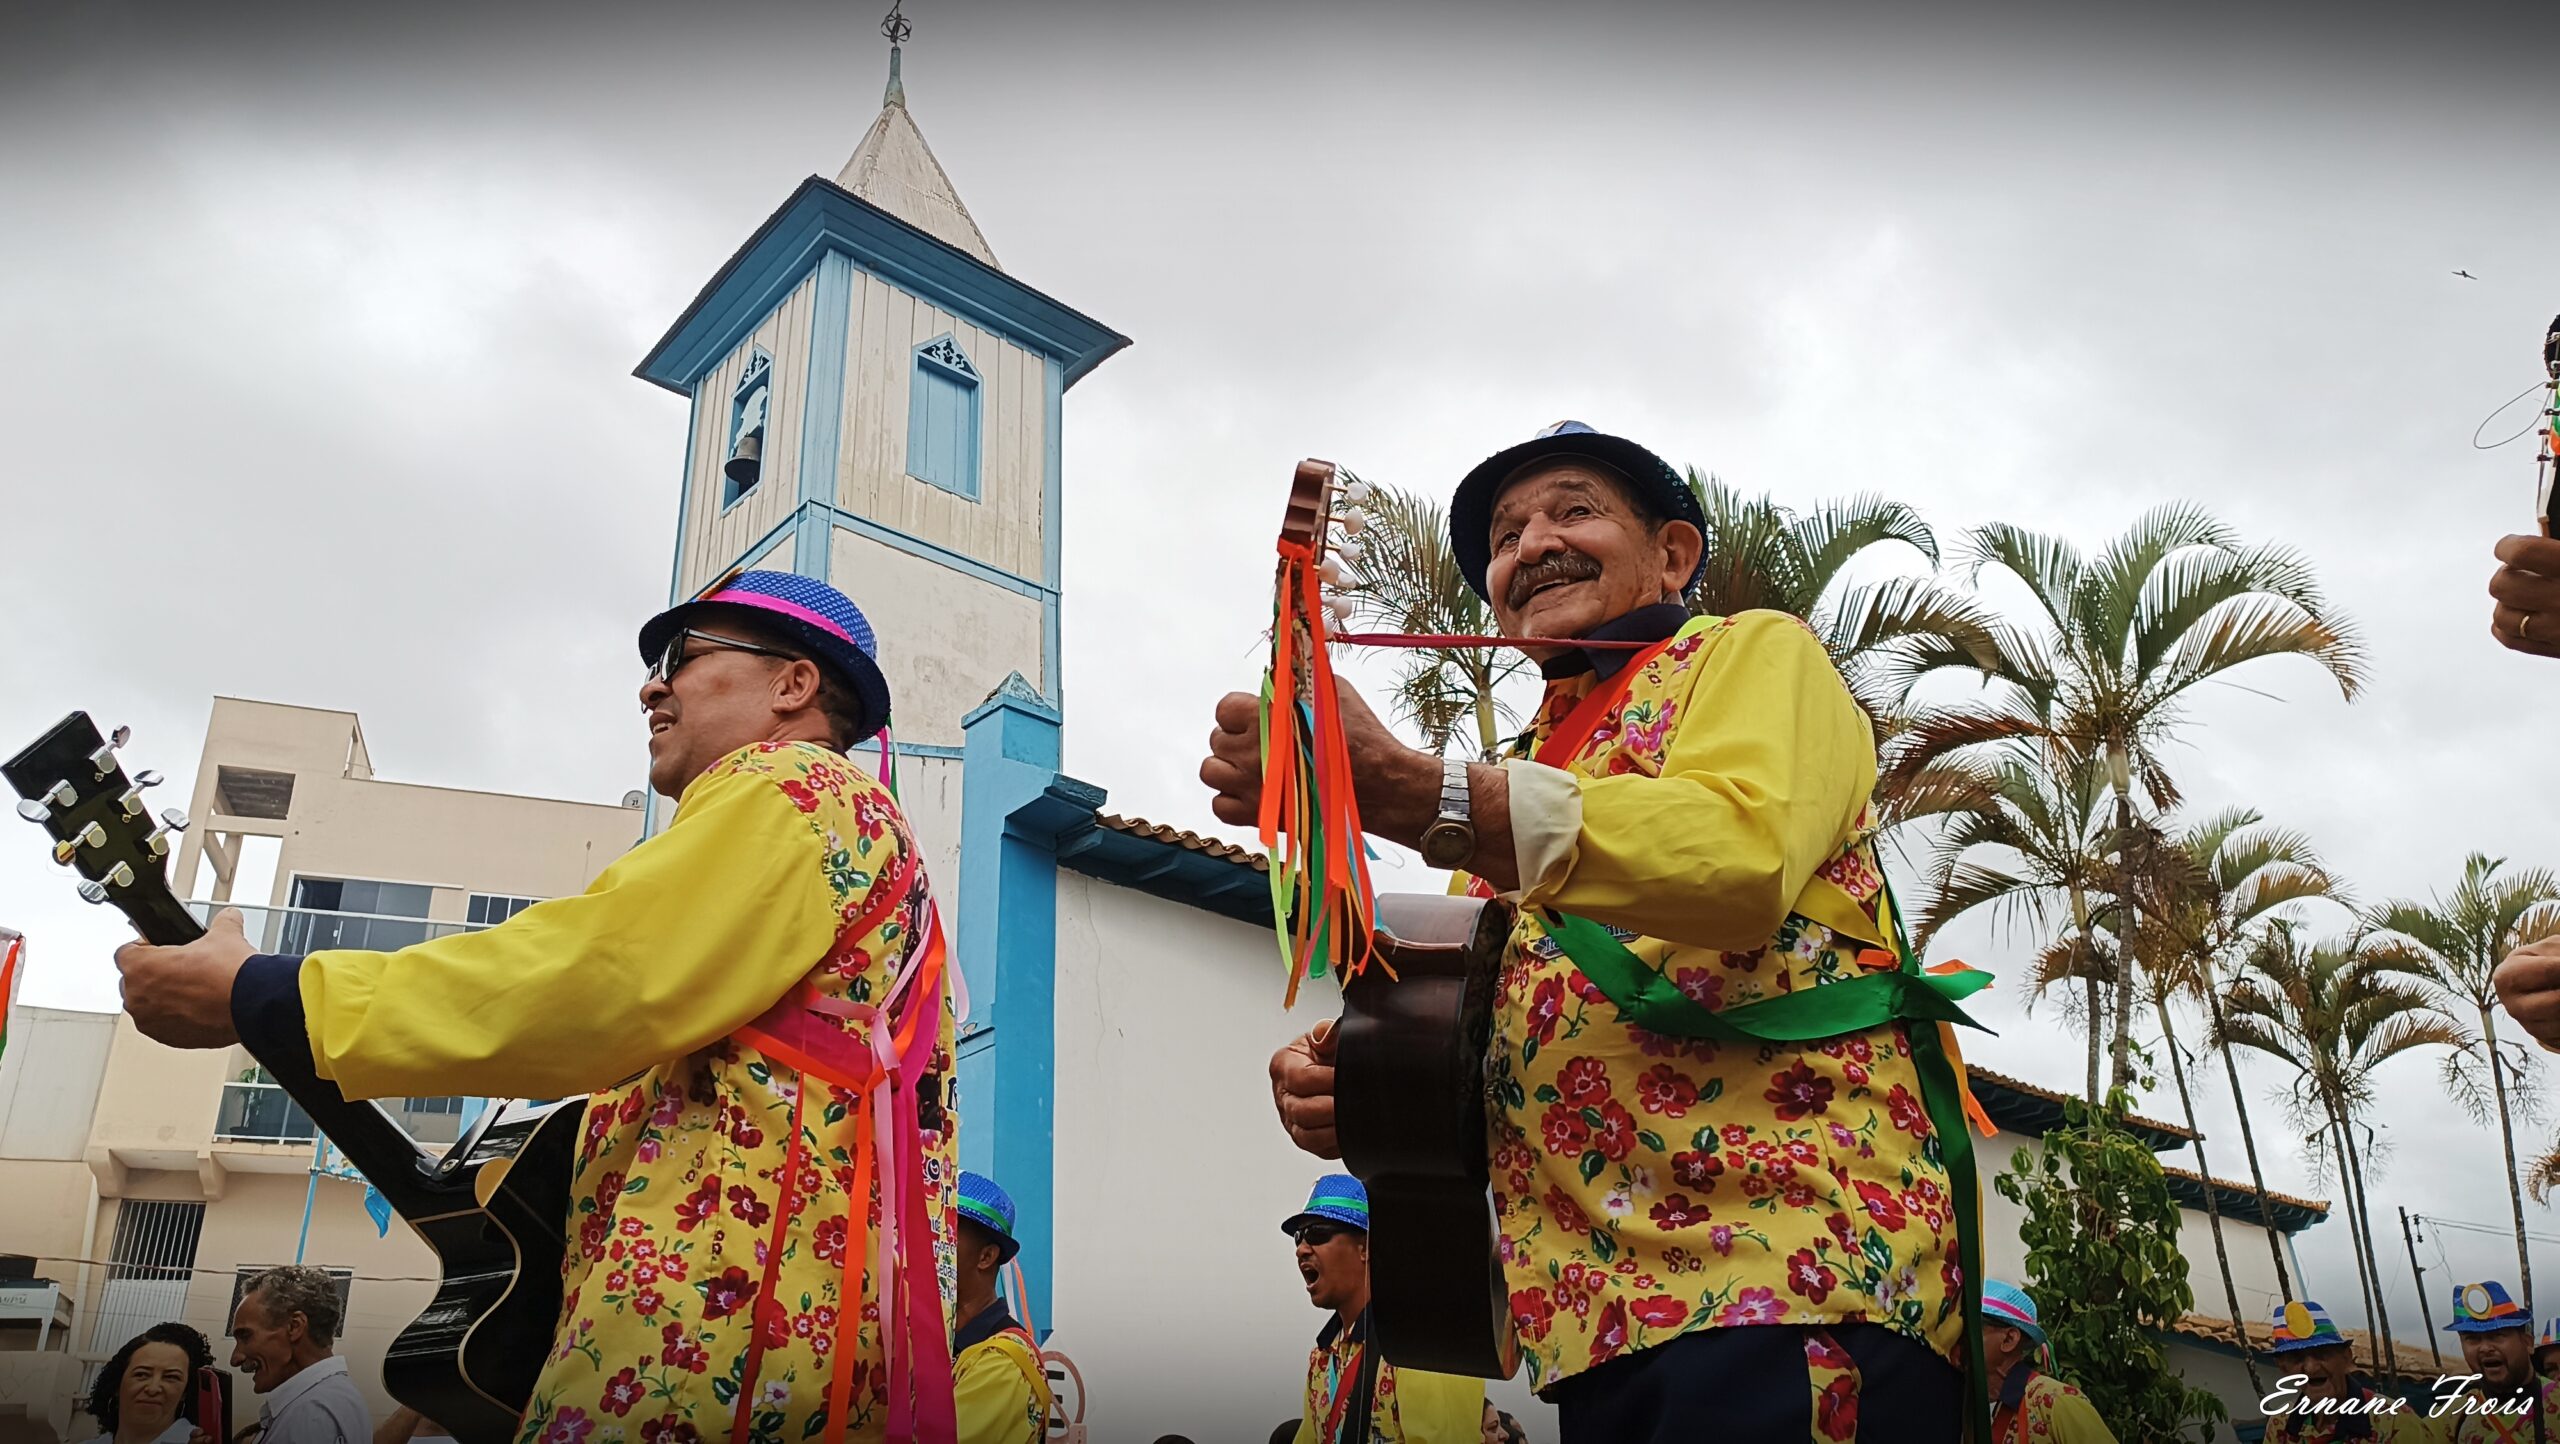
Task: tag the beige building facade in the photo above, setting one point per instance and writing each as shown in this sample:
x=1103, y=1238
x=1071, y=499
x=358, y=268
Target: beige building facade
x=146, y=1181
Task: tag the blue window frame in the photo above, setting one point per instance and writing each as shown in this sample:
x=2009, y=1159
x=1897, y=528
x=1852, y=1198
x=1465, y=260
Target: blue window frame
x=750, y=406
x=942, y=418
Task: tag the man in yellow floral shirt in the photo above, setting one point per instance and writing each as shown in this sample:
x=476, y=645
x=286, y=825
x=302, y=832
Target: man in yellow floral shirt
x=719, y=1279
x=1707, y=1230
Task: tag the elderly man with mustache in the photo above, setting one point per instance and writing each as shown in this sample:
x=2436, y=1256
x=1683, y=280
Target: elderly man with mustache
x=1705, y=1232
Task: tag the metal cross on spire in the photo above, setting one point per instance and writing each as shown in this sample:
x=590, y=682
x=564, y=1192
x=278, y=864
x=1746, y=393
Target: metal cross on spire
x=895, y=26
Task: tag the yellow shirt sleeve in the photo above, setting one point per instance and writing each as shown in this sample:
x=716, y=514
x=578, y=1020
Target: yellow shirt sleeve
x=1768, y=766
x=1439, y=1408
x=994, y=1396
x=2071, y=1419
x=684, y=938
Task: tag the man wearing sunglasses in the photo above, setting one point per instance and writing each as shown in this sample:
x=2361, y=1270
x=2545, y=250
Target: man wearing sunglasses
x=715, y=994
x=1353, y=1396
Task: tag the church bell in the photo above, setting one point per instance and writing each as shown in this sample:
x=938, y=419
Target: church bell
x=746, y=459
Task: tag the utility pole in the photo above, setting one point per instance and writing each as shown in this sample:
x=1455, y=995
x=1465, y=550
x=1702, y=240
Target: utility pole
x=2424, y=1313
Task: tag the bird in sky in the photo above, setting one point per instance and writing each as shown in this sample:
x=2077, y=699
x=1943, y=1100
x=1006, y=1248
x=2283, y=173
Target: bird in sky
x=2466, y=275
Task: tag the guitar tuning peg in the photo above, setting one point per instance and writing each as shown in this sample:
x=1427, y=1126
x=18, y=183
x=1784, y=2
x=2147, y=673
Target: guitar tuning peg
x=120, y=875
x=1352, y=522
x=119, y=737
x=148, y=778
x=131, y=803
x=1331, y=570
x=91, y=836
x=103, y=761
x=34, y=811
x=62, y=795
x=92, y=892
x=1358, y=492
x=174, y=820
x=1349, y=549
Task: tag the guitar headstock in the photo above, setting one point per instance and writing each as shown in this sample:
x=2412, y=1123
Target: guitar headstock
x=1325, y=520
x=74, y=786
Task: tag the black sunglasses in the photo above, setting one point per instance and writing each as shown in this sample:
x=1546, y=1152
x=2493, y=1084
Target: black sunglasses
x=1317, y=1235
x=677, y=654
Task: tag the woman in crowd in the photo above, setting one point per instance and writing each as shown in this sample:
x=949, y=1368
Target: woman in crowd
x=142, y=1395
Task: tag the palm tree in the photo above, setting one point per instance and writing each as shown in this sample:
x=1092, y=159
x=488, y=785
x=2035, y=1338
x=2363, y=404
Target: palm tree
x=2454, y=942
x=1404, y=578
x=2118, y=642
x=2335, y=1013
x=2022, y=837
x=1882, y=634
x=2209, y=895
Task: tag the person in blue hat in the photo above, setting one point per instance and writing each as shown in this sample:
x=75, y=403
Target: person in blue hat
x=2318, y=1399
x=1353, y=1396
x=706, y=984
x=1690, y=804
x=2503, y=1403
x=998, y=1381
x=2030, y=1405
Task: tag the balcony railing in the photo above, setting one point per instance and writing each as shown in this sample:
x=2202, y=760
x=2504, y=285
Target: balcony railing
x=312, y=930
x=262, y=1113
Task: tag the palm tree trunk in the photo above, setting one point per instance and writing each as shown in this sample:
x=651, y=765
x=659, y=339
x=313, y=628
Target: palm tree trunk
x=2346, y=1200
x=2364, y=1220
x=2248, y=1135
x=2089, y=977
x=2212, y=1206
x=2120, y=1073
x=2507, y=1136
x=1486, y=738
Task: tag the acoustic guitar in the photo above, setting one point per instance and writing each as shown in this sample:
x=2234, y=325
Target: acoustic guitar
x=1410, y=1110
x=494, y=1207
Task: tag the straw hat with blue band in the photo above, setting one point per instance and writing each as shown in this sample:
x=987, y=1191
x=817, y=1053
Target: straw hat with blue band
x=2485, y=1308
x=1665, y=493
x=991, y=1208
x=812, y=614
x=2301, y=1325
x=1337, y=1197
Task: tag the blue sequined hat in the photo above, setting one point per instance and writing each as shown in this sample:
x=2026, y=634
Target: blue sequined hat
x=1336, y=1196
x=811, y=613
x=1471, y=507
x=2485, y=1308
x=2301, y=1325
x=991, y=1208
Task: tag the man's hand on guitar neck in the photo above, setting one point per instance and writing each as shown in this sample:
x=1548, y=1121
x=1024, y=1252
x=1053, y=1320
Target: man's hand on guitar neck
x=1398, y=786
x=2526, y=587
x=1302, y=1089
x=182, y=996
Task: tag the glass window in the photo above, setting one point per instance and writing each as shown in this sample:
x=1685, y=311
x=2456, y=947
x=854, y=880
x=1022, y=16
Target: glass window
x=334, y=912
x=488, y=910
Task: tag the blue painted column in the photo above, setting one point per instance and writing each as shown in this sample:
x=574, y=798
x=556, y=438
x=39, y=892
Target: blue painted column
x=1013, y=807
x=822, y=415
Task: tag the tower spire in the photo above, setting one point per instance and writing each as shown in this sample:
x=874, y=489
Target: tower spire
x=897, y=29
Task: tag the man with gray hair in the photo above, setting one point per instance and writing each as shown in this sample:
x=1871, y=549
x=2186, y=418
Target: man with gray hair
x=281, y=1336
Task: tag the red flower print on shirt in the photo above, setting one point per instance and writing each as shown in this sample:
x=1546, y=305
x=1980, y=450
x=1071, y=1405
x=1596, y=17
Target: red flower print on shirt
x=1533, y=1312
x=1564, y=1129
x=1616, y=1135
x=1609, y=1335
x=1735, y=1135
x=1798, y=1092
x=732, y=1292
x=1546, y=1010
x=1565, y=1213
x=1701, y=986
x=1883, y=1207
x=1752, y=1306
x=622, y=1391
x=1908, y=1116
x=668, y=1429
x=1810, y=1277
x=744, y=1204
x=1663, y=1090
x=1836, y=1412
x=698, y=1205
x=827, y=1240
x=592, y=1235
x=569, y=1426
x=1585, y=1080
x=1696, y=1170
x=1658, y=1312
x=1677, y=1212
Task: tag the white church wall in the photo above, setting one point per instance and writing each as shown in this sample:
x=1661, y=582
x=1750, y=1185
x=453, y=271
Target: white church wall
x=946, y=640
x=1002, y=527
x=929, y=794
x=713, y=536
x=1174, y=1291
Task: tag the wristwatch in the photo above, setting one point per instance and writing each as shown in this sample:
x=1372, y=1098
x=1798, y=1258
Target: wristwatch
x=1451, y=838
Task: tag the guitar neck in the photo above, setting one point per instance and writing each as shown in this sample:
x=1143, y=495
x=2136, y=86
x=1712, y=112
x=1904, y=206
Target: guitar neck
x=370, y=1138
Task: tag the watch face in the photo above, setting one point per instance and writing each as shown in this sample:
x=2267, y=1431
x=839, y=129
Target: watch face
x=1447, y=844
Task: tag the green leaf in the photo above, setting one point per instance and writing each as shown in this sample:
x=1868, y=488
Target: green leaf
x=632, y=1186
x=724, y=1390
x=1547, y=1093
x=1652, y=1140
x=816, y=1425
x=1704, y=1137
x=1603, y=1247
x=1713, y=1090
x=1529, y=1051
x=1592, y=1163
x=1591, y=1115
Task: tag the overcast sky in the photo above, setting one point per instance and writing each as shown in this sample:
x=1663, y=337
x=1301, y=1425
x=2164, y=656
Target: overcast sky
x=320, y=329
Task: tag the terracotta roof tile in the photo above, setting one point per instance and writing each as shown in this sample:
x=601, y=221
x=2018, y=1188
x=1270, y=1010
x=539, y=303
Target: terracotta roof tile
x=1190, y=841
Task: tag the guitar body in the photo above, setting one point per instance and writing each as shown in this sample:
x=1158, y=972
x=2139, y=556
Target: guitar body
x=1410, y=1109
x=495, y=1207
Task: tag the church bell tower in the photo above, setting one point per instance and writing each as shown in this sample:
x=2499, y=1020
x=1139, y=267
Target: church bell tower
x=876, y=403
